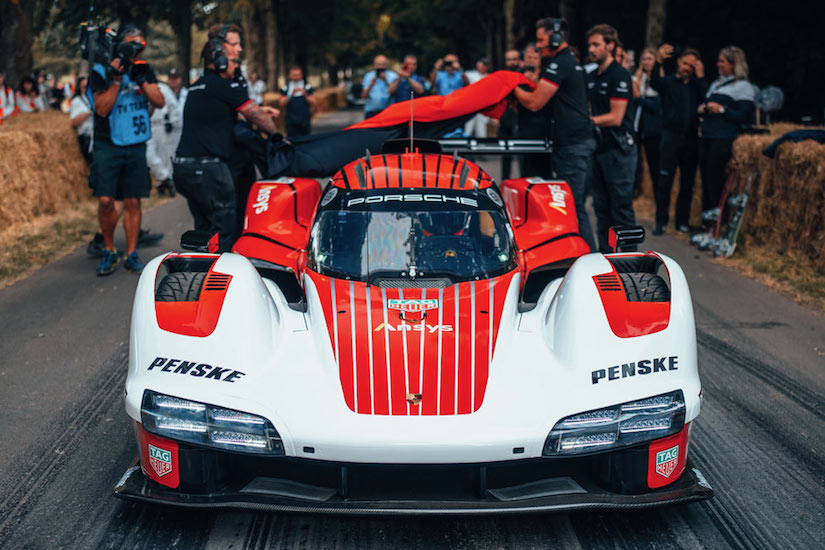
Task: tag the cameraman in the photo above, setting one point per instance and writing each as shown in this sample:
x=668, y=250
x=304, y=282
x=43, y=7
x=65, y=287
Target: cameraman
x=201, y=169
x=121, y=94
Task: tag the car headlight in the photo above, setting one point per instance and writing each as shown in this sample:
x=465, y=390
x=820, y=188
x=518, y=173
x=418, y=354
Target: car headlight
x=208, y=425
x=618, y=426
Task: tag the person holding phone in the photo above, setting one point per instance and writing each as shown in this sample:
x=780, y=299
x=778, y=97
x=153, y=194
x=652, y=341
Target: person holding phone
x=297, y=98
x=408, y=81
x=377, y=84
x=447, y=75
x=681, y=89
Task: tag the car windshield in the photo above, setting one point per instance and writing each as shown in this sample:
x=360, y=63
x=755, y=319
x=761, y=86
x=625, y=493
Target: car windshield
x=366, y=245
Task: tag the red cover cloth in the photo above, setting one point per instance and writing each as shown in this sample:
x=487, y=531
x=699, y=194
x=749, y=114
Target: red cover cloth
x=487, y=96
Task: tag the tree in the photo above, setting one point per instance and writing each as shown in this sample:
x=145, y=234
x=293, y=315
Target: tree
x=656, y=14
x=16, y=38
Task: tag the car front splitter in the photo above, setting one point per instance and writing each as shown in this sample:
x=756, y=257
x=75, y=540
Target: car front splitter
x=269, y=494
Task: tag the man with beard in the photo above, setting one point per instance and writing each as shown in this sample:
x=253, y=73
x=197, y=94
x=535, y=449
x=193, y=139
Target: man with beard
x=562, y=85
x=614, y=168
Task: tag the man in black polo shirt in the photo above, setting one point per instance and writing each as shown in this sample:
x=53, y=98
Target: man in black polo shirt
x=562, y=84
x=202, y=174
x=614, y=168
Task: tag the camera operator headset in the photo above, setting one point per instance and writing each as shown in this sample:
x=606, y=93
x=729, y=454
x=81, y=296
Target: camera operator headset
x=121, y=94
x=201, y=167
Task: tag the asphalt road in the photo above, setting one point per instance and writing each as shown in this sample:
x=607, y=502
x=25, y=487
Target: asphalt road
x=65, y=439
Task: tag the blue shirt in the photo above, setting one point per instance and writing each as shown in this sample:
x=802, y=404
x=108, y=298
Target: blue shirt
x=445, y=83
x=128, y=121
x=402, y=92
x=379, y=96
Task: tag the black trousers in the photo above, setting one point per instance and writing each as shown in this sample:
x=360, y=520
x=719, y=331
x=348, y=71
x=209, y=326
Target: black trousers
x=295, y=130
x=210, y=195
x=714, y=155
x=651, y=149
x=676, y=151
x=613, y=174
x=506, y=132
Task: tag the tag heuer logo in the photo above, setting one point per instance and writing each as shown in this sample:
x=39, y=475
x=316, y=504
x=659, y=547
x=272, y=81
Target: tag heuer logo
x=412, y=306
x=160, y=460
x=667, y=460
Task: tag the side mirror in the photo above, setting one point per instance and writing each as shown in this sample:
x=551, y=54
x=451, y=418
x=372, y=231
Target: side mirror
x=199, y=241
x=620, y=236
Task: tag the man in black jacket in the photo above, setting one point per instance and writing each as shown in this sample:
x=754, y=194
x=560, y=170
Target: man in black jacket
x=681, y=93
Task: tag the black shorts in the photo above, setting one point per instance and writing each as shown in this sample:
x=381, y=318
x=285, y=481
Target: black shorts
x=119, y=172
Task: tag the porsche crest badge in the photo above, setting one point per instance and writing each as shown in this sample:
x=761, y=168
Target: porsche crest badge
x=414, y=398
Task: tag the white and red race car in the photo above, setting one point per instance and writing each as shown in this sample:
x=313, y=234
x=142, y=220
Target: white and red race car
x=413, y=338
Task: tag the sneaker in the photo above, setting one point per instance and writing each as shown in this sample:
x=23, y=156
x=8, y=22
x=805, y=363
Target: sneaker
x=110, y=260
x=133, y=263
x=146, y=237
x=658, y=229
x=96, y=247
x=683, y=229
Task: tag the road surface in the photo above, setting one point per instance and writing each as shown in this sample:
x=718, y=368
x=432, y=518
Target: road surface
x=66, y=440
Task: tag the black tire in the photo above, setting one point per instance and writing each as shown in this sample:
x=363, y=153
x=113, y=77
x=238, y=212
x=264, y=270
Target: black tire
x=183, y=286
x=645, y=287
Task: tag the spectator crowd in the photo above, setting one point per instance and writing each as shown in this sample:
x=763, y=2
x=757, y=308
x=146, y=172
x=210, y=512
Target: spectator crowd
x=601, y=116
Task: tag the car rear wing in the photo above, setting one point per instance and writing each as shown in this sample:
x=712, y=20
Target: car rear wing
x=495, y=146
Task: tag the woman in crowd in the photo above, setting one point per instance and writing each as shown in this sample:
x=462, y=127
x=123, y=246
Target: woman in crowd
x=728, y=107
x=28, y=98
x=80, y=113
x=648, y=120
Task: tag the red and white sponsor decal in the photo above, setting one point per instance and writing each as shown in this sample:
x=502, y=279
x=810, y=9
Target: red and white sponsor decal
x=160, y=460
x=412, y=306
x=667, y=460
x=383, y=357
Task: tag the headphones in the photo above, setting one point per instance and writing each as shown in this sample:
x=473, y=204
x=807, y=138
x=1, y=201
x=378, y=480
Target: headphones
x=557, y=34
x=216, y=54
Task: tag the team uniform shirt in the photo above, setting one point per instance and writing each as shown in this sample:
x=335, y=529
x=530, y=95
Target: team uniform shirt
x=379, y=97
x=446, y=83
x=210, y=112
x=614, y=83
x=297, y=110
x=569, y=111
x=79, y=105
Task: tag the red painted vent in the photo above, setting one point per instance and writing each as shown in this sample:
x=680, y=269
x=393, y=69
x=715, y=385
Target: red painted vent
x=609, y=282
x=216, y=281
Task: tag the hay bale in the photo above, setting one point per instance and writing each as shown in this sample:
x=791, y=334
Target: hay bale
x=788, y=197
x=41, y=170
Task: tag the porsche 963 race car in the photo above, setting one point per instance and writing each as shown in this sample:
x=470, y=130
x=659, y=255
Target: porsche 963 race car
x=413, y=338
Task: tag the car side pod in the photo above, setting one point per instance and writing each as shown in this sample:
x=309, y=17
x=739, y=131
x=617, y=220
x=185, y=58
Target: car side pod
x=620, y=236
